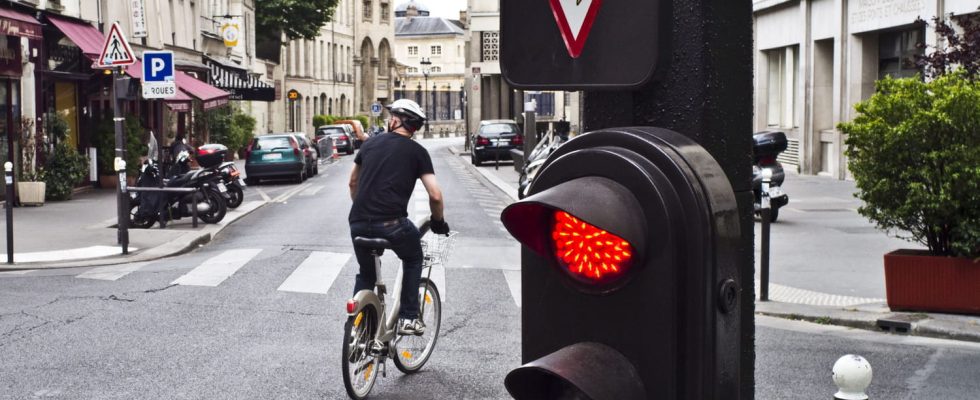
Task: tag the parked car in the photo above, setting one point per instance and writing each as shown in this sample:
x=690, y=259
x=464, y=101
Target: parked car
x=274, y=156
x=309, y=151
x=495, y=138
x=359, y=135
x=342, y=135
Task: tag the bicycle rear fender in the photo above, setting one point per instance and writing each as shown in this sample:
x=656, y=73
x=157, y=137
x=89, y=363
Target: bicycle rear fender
x=363, y=299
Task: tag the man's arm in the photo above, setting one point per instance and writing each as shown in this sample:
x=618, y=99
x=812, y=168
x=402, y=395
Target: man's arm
x=353, y=180
x=435, y=195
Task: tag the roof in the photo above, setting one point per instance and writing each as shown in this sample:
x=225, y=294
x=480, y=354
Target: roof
x=423, y=26
x=418, y=6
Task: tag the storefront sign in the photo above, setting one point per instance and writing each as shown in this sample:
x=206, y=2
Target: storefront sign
x=230, y=33
x=9, y=25
x=139, y=19
x=871, y=15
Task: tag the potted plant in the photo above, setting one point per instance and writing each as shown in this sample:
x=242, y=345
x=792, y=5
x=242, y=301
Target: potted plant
x=30, y=180
x=64, y=167
x=914, y=152
x=104, y=141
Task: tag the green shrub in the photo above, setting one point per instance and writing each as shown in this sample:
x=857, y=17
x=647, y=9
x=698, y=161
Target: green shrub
x=231, y=127
x=65, y=168
x=320, y=120
x=104, y=141
x=914, y=151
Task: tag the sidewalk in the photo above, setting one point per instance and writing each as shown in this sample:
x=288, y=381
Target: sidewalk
x=81, y=232
x=840, y=287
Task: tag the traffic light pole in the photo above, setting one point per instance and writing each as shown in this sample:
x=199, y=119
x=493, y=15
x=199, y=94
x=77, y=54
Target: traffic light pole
x=702, y=89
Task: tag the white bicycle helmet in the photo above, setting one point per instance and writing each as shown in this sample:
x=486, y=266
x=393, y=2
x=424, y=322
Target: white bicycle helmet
x=411, y=114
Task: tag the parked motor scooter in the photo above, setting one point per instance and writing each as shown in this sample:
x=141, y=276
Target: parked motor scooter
x=146, y=208
x=231, y=177
x=536, y=159
x=766, y=146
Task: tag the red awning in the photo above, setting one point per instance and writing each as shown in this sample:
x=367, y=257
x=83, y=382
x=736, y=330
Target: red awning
x=16, y=23
x=210, y=95
x=186, y=84
x=84, y=36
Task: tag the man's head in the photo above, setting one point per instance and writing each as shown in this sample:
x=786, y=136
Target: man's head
x=406, y=115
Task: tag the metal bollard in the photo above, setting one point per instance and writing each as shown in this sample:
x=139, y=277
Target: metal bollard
x=123, y=206
x=766, y=216
x=8, y=168
x=852, y=375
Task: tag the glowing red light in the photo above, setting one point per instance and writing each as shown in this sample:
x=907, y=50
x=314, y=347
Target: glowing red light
x=589, y=253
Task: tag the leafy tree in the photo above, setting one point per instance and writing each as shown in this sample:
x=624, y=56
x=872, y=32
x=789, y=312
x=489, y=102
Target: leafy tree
x=65, y=168
x=298, y=19
x=962, y=48
x=914, y=151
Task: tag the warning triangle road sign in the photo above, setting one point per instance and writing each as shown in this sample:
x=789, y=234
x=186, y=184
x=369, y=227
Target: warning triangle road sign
x=575, y=18
x=116, y=51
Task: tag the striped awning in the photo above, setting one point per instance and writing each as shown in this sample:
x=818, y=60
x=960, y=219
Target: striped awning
x=236, y=80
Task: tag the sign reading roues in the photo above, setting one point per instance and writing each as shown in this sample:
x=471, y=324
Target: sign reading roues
x=158, y=75
x=376, y=109
x=115, y=51
x=585, y=44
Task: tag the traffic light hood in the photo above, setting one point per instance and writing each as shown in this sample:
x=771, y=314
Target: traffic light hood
x=598, y=201
x=586, y=370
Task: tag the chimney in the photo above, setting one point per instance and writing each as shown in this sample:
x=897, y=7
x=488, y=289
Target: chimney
x=464, y=19
x=411, y=10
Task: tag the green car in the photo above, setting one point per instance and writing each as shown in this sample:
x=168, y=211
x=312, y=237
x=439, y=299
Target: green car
x=274, y=156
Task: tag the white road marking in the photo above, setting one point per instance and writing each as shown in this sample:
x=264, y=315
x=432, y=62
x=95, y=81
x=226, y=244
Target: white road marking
x=264, y=196
x=788, y=294
x=111, y=272
x=311, y=191
x=316, y=274
x=218, y=268
x=282, y=198
x=21, y=272
x=513, y=279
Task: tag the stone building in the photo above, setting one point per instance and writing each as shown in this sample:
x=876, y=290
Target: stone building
x=814, y=59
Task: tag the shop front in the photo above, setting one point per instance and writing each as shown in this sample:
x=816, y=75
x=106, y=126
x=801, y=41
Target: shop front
x=17, y=31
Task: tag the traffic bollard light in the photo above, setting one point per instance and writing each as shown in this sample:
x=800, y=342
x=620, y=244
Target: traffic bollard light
x=629, y=273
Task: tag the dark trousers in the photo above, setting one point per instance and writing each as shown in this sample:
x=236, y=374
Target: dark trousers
x=406, y=242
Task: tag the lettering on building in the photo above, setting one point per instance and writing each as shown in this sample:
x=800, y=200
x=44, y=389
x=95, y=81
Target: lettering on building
x=870, y=10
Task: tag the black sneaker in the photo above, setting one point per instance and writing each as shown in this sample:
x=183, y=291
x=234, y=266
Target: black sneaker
x=411, y=327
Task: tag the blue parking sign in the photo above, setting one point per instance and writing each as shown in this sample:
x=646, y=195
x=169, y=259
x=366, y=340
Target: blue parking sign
x=158, y=66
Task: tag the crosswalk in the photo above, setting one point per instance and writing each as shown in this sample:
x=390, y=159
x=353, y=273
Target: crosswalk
x=317, y=273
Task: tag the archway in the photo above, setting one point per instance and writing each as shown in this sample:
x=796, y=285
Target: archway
x=343, y=105
x=323, y=103
x=384, y=67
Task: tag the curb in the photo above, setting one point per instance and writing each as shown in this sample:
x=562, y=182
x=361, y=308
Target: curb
x=181, y=245
x=867, y=317
x=509, y=191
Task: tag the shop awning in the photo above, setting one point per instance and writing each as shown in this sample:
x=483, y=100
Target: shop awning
x=236, y=80
x=16, y=23
x=85, y=36
x=186, y=87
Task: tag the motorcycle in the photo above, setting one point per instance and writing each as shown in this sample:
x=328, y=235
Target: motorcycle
x=231, y=177
x=536, y=159
x=146, y=208
x=766, y=146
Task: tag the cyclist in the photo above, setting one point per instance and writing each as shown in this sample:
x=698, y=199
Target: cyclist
x=381, y=184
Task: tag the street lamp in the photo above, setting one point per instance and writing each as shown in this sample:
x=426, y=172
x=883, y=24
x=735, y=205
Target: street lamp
x=425, y=62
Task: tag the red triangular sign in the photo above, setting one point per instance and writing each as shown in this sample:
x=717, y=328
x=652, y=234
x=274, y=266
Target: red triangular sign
x=575, y=18
x=115, y=51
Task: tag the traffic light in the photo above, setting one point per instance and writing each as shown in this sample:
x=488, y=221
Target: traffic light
x=629, y=273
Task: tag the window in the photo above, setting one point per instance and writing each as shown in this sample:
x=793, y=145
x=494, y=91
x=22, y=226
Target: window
x=782, y=87
x=368, y=10
x=545, y=102
x=436, y=50
x=413, y=70
x=413, y=50
x=491, y=46
x=436, y=69
x=897, y=51
x=385, y=14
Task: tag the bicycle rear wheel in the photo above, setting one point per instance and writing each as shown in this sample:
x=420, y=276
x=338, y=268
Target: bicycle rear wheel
x=359, y=366
x=411, y=351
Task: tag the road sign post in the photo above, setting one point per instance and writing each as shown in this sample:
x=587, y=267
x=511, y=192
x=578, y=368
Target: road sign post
x=117, y=54
x=687, y=68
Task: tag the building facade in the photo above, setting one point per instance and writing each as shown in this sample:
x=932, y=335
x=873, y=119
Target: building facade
x=814, y=59
x=433, y=52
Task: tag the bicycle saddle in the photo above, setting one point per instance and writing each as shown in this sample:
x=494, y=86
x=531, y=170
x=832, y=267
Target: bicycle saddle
x=372, y=243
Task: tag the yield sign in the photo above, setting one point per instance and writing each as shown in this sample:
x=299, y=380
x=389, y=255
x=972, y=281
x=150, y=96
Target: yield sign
x=575, y=19
x=115, y=51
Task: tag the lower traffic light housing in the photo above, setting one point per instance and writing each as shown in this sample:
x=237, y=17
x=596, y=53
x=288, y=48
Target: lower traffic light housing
x=671, y=202
x=579, y=371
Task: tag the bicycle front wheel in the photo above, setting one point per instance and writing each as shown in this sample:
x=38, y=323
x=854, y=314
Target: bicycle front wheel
x=412, y=351
x=359, y=365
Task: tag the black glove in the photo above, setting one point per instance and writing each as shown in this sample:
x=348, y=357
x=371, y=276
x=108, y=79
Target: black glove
x=439, y=226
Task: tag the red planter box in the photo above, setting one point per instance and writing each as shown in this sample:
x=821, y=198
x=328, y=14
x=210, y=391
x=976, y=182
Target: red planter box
x=917, y=281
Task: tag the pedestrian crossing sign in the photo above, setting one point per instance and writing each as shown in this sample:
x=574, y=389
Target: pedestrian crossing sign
x=116, y=51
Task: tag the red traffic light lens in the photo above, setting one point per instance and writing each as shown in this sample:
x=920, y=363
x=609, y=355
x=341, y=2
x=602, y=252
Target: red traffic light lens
x=588, y=253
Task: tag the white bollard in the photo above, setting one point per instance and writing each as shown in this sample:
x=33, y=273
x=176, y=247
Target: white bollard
x=852, y=375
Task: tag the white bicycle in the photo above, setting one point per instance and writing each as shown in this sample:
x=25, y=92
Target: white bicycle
x=370, y=334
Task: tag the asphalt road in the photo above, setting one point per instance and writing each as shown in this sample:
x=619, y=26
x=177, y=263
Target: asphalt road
x=230, y=329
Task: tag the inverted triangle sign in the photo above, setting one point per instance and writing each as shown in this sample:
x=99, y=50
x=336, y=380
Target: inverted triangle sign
x=575, y=18
x=116, y=51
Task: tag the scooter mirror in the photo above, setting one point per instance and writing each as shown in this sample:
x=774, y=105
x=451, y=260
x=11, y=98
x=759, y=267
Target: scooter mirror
x=152, y=147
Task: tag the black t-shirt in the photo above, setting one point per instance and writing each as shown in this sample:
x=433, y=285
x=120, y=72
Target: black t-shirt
x=389, y=165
